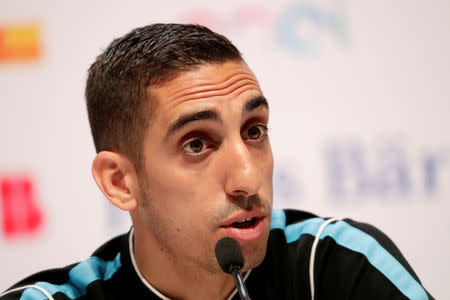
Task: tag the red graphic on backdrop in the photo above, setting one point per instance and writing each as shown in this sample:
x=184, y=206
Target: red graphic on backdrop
x=20, y=211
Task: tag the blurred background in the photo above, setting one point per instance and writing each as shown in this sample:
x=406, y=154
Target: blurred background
x=360, y=117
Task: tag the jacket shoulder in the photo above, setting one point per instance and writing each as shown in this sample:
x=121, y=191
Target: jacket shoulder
x=72, y=281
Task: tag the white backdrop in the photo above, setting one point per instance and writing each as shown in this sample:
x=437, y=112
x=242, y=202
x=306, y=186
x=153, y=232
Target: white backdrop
x=360, y=112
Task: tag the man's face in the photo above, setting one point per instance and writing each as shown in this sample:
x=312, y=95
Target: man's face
x=208, y=166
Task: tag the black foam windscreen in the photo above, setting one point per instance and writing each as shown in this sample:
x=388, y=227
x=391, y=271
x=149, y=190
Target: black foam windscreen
x=229, y=253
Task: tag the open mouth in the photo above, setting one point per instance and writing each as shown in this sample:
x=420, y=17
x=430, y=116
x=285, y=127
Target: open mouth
x=245, y=223
x=246, y=226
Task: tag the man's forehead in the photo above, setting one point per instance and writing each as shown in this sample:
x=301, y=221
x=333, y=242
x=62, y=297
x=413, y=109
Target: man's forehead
x=202, y=94
x=207, y=81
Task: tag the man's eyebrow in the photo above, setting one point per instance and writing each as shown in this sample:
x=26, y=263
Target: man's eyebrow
x=254, y=103
x=184, y=119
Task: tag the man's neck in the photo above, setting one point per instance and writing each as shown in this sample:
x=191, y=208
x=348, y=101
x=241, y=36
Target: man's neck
x=177, y=281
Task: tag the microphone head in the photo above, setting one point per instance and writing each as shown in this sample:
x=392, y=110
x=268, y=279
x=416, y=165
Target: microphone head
x=228, y=254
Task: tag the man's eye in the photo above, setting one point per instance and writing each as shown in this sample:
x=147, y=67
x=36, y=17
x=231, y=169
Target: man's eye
x=256, y=132
x=195, y=146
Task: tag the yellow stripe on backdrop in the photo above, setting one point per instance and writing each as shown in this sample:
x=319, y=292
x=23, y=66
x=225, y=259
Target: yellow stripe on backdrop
x=20, y=43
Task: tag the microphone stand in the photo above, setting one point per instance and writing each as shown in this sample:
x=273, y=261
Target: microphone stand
x=237, y=275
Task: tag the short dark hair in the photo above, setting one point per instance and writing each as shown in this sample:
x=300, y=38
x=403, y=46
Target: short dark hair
x=118, y=101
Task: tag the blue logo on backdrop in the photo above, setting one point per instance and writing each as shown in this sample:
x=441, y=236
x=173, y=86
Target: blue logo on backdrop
x=302, y=29
x=356, y=172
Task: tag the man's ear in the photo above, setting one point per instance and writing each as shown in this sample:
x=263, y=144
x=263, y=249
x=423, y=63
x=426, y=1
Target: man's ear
x=116, y=177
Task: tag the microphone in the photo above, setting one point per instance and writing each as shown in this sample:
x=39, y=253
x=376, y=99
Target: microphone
x=230, y=259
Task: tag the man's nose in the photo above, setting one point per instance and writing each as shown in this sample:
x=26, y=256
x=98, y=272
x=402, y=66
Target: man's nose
x=243, y=176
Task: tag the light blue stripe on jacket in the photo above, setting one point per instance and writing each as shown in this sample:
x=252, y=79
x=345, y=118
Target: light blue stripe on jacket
x=358, y=241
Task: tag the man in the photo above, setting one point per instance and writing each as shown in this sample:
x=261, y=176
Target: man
x=180, y=126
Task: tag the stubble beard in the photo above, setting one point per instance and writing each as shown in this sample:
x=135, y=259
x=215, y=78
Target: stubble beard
x=206, y=260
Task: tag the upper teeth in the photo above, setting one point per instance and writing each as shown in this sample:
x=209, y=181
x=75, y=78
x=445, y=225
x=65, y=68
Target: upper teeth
x=245, y=220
